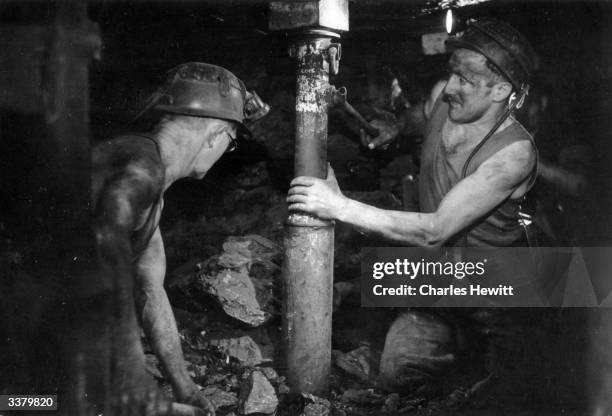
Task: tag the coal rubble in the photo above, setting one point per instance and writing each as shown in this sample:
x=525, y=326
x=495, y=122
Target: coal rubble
x=225, y=287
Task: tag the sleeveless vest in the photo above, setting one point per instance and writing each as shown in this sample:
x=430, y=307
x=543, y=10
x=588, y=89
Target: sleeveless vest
x=440, y=171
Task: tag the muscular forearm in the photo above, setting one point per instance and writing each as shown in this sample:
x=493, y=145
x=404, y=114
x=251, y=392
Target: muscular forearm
x=468, y=201
x=408, y=228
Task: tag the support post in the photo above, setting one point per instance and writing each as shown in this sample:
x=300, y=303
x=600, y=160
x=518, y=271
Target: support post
x=309, y=242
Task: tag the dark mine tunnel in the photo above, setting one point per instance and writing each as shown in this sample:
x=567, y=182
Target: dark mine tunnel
x=173, y=240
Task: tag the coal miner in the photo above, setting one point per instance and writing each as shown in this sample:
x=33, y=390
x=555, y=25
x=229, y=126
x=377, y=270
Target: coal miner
x=477, y=161
x=202, y=108
x=477, y=164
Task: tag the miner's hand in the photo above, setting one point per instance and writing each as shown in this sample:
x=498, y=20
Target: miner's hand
x=389, y=131
x=199, y=400
x=318, y=197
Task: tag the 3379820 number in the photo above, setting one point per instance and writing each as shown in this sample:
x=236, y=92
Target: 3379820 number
x=28, y=402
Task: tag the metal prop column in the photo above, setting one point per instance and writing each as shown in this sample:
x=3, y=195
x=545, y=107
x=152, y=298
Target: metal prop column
x=309, y=242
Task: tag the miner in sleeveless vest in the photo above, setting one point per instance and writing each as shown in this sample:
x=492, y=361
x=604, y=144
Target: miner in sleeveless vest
x=477, y=162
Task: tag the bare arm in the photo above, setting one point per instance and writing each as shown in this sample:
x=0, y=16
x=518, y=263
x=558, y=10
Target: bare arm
x=151, y=264
x=120, y=202
x=473, y=197
x=159, y=323
x=114, y=219
x=157, y=317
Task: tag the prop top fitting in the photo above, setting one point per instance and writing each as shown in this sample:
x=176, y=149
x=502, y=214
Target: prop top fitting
x=327, y=15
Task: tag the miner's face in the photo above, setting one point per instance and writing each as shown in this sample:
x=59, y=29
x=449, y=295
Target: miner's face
x=231, y=132
x=225, y=134
x=469, y=87
x=219, y=137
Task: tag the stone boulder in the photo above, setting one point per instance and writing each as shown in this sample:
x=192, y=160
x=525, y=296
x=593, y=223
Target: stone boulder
x=242, y=279
x=243, y=349
x=258, y=395
x=220, y=398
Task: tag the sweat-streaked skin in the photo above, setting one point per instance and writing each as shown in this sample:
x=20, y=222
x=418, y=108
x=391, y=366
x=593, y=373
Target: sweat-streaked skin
x=478, y=104
x=128, y=181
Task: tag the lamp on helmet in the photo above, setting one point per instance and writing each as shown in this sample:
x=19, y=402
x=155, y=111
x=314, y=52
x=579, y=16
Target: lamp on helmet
x=204, y=90
x=503, y=46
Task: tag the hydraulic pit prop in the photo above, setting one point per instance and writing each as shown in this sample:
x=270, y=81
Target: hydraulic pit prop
x=313, y=28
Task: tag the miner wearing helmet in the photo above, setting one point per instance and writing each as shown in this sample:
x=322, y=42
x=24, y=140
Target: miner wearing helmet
x=477, y=161
x=201, y=108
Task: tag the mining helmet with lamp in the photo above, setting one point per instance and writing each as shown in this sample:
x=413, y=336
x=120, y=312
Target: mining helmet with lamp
x=504, y=46
x=510, y=52
x=204, y=90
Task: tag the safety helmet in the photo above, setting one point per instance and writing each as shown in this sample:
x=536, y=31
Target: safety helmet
x=504, y=46
x=204, y=90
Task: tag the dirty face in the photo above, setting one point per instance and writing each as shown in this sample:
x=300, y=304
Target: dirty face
x=469, y=87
